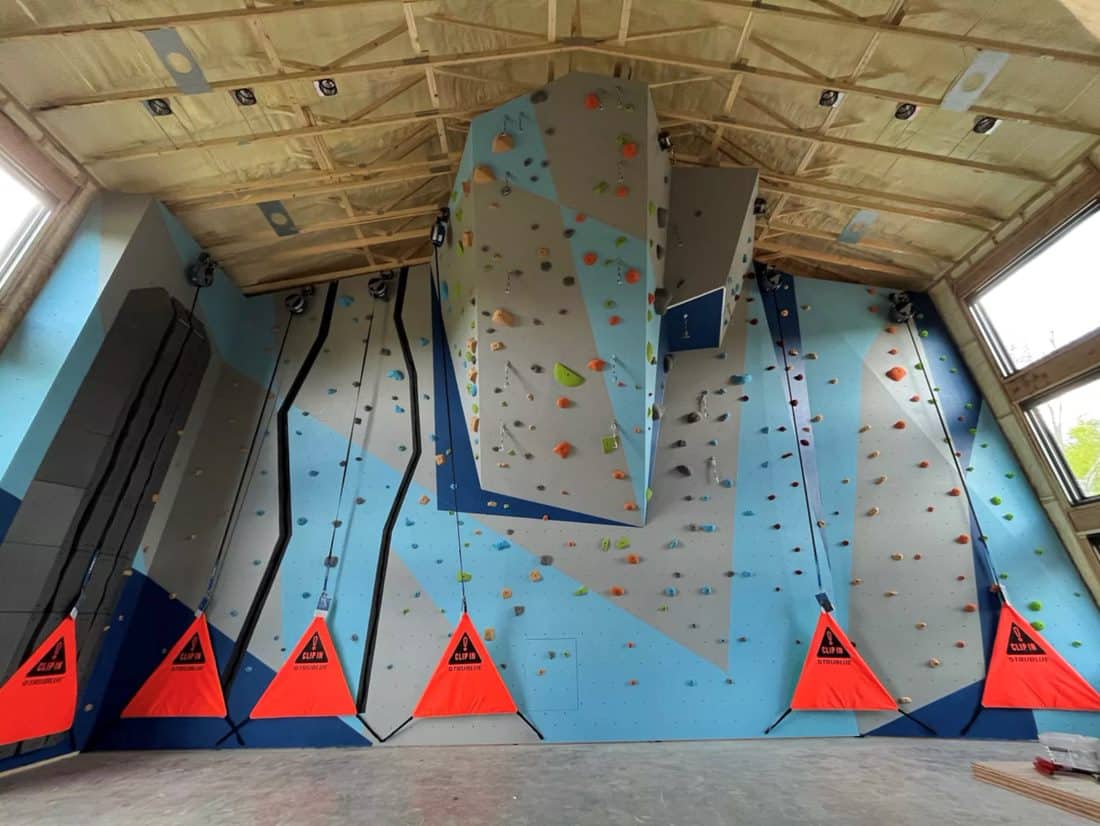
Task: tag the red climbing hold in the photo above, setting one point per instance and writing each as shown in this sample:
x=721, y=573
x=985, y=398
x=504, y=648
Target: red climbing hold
x=632, y=276
x=591, y=101
x=1026, y=672
x=630, y=150
x=597, y=364
x=621, y=191
x=40, y=697
x=580, y=217
x=896, y=373
x=618, y=474
x=970, y=607
x=923, y=463
x=963, y=539
x=465, y=681
x=650, y=298
x=591, y=258
x=563, y=449
x=633, y=559
x=616, y=590
x=614, y=320
x=186, y=682
x=899, y=425
x=630, y=506
x=563, y=402
x=835, y=677
x=311, y=682
x=954, y=492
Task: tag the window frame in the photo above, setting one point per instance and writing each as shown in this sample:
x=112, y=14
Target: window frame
x=1049, y=447
x=31, y=227
x=981, y=319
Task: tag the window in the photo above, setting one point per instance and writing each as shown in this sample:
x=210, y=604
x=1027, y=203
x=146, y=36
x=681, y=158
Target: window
x=23, y=211
x=1049, y=298
x=1068, y=426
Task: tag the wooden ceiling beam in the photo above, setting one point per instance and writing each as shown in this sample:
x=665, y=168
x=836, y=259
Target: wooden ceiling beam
x=245, y=243
x=330, y=246
x=848, y=143
x=137, y=24
x=302, y=279
x=891, y=248
x=384, y=67
x=765, y=9
x=832, y=258
x=735, y=69
x=366, y=48
x=660, y=34
x=446, y=20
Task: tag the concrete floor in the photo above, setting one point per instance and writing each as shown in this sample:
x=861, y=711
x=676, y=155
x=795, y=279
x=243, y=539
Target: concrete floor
x=852, y=782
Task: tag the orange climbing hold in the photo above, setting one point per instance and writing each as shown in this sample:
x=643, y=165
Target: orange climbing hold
x=591, y=258
x=899, y=425
x=954, y=492
x=891, y=328
x=563, y=449
x=616, y=590
x=621, y=191
x=630, y=150
x=914, y=398
x=970, y=607
x=564, y=402
x=963, y=539
x=633, y=559
x=630, y=506
x=923, y=463
x=591, y=101
x=597, y=364
x=896, y=373
x=650, y=298
x=615, y=320
x=580, y=217
x=632, y=276
x=618, y=474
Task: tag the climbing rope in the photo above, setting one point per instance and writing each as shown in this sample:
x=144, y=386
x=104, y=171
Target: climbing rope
x=801, y=458
x=451, y=442
x=245, y=480
x=917, y=351
x=325, y=601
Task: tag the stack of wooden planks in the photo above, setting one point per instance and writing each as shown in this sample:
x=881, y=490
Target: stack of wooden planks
x=1079, y=794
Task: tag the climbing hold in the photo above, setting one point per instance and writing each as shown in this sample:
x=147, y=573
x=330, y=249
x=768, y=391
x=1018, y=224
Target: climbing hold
x=563, y=402
x=621, y=191
x=891, y=594
x=899, y=425
x=502, y=316
x=464, y=576
x=706, y=590
x=630, y=506
x=960, y=643
x=505, y=593
x=1038, y=625
x=622, y=542
x=546, y=559
x=896, y=373
x=484, y=174
x=580, y=592
x=897, y=557
x=933, y=663
x=496, y=345
x=970, y=607
x=954, y=492
x=424, y=500
x=614, y=320
x=518, y=610
x=503, y=142
x=475, y=425
x=535, y=575
x=597, y=364
x=873, y=512
x=618, y=474
x=592, y=101
x=632, y=559
x=591, y=258
x=995, y=500
x=616, y=590
x=629, y=150
x=962, y=539
x=1035, y=605
x=670, y=591
x=563, y=449
x=881, y=480
x=921, y=626
x=632, y=275
x=923, y=463
x=567, y=377
x=683, y=470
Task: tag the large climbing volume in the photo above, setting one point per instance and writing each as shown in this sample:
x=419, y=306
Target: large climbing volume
x=186, y=683
x=40, y=697
x=311, y=682
x=466, y=681
x=1026, y=672
x=835, y=677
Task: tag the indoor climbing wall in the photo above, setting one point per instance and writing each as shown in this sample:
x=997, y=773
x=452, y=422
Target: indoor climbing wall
x=559, y=222
x=706, y=260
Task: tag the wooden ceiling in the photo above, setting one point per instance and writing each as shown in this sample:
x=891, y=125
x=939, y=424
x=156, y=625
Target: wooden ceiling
x=736, y=82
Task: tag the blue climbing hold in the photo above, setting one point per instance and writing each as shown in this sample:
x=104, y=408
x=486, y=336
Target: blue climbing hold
x=671, y=591
x=706, y=590
x=502, y=545
x=346, y=300
x=398, y=409
x=740, y=378
x=396, y=375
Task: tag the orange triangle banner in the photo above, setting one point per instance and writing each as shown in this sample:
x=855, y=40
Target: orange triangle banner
x=835, y=677
x=1026, y=672
x=465, y=682
x=40, y=697
x=311, y=682
x=186, y=683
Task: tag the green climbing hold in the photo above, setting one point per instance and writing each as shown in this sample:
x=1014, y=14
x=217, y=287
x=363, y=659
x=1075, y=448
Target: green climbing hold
x=1039, y=551
x=969, y=405
x=995, y=500
x=622, y=542
x=580, y=592
x=566, y=377
x=1004, y=576
x=464, y=576
x=924, y=334
x=1010, y=475
x=649, y=352
x=1035, y=605
x=1038, y=625
x=652, y=207
x=458, y=215
x=605, y=544
x=1009, y=517
x=1076, y=643
x=648, y=494
x=620, y=241
x=918, y=366
x=600, y=188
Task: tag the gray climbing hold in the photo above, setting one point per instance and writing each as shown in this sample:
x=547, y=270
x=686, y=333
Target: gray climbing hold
x=739, y=378
x=692, y=417
x=546, y=559
x=679, y=443
x=683, y=470
x=518, y=610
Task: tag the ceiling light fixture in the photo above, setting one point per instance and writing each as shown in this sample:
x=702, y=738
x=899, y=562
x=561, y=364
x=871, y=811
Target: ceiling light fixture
x=664, y=141
x=829, y=98
x=158, y=107
x=760, y=206
x=905, y=111
x=244, y=96
x=326, y=87
x=986, y=124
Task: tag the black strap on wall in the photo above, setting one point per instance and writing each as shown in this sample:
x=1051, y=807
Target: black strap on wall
x=286, y=514
x=398, y=498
